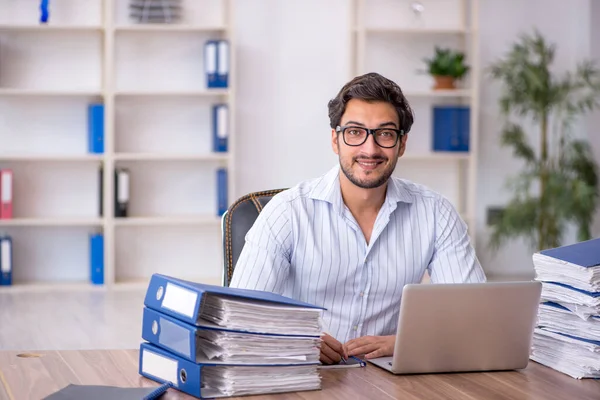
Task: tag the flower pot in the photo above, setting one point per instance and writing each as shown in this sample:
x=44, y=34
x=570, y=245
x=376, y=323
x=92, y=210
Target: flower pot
x=444, y=82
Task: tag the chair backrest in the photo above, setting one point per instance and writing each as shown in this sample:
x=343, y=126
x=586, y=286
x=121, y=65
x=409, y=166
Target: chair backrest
x=236, y=222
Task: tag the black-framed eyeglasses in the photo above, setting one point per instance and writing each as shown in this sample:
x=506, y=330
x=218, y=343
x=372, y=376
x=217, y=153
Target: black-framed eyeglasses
x=357, y=135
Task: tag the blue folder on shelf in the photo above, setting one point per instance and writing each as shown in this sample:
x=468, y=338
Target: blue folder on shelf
x=220, y=127
x=184, y=300
x=200, y=380
x=96, y=128
x=6, y=261
x=223, y=63
x=210, y=64
x=451, y=128
x=97, y=258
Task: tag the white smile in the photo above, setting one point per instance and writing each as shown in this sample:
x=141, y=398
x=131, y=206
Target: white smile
x=368, y=163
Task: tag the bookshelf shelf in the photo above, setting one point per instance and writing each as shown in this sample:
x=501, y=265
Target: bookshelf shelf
x=157, y=123
x=390, y=38
x=168, y=221
x=170, y=157
x=52, y=222
x=51, y=158
x=169, y=28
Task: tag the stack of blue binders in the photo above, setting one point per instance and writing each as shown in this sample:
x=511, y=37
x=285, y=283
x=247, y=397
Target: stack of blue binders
x=212, y=341
x=567, y=336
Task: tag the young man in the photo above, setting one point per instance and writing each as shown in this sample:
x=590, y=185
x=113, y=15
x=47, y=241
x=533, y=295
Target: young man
x=350, y=240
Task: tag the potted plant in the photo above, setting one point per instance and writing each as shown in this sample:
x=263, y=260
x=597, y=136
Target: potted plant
x=446, y=66
x=558, y=185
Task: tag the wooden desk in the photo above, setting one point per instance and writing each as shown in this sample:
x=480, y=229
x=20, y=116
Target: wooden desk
x=35, y=377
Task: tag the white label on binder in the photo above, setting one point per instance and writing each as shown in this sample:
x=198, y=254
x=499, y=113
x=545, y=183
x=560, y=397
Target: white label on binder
x=6, y=186
x=123, y=186
x=5, y=250
x=159, y=366
x=222, y=122
x=223, y=57
x=211, y=58
x=175, y=337
x=180, y=300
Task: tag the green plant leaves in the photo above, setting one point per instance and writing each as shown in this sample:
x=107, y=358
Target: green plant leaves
x=447, y=62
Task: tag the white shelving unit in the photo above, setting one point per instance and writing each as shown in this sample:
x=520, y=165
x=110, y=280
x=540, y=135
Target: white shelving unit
x=389, y=38
x=151, y=80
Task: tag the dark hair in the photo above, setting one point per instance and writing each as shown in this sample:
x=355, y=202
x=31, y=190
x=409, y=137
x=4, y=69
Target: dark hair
x=371, y=87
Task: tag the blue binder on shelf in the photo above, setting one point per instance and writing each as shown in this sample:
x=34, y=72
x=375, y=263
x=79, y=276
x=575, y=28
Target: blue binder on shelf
x=210, y=64
x=584, y=254
x=222, y=192
x=164, y=367
x=183, y=299
x=220, y=127
x=179, y=337
x=6, y=261
x=451, y=128
x=97, y=258
x=96, y=128
x=223, y=63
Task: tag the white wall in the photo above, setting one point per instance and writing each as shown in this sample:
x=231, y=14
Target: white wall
x=567, y=25
x=294, y=57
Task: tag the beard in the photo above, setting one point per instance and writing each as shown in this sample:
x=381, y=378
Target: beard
x=375, y=178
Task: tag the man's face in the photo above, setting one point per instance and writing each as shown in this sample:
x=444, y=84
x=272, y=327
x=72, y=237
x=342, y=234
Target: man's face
x=368, y=166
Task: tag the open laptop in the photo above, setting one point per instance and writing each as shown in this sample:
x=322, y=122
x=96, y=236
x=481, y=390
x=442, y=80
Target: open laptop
x=464, y=327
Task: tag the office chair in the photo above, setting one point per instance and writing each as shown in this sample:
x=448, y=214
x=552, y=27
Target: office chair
x=236, y=222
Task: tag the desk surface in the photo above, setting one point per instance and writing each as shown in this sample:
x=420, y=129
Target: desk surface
x=36, y=375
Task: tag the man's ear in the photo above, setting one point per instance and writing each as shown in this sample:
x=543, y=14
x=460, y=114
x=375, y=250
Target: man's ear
x=403, y=140
x=334, y=141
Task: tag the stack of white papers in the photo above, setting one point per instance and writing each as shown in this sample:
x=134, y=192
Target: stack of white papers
x=575, y=357
x=240, y=381
x=257, y=316
x=242, y=347
x=560, y=319
x=550, y=269
x=567, y=336
x=560, y=293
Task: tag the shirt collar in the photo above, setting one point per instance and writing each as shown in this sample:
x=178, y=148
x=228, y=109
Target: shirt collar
x=328, y=189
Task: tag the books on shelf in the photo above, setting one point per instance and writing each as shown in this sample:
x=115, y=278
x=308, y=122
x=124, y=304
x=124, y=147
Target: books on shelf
x=155, y=11
x=216, y=63
x=567, y=336
x=451, y=128
x=212, y=341
x=6, y=194
x=95, y=119
x=220, y=127
x=6, y=260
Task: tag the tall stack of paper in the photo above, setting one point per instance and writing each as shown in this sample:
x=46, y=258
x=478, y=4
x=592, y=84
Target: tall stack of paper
x=212, y=341
x=567, y=336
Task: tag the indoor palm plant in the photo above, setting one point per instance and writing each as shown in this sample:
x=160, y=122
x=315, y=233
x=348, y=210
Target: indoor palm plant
x=558, y=184
x=446, y=66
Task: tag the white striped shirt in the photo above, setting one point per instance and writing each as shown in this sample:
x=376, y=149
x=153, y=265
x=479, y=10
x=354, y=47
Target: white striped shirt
x=307, y=245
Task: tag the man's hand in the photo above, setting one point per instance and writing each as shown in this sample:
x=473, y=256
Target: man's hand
x=370, y=346
x=331, y=350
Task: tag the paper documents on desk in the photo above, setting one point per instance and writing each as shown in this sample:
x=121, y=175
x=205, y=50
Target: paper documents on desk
x=576, y=265
x=560, y=319
x=214, y=341
x=258, y=316
x=567, y=335
x=573, y=356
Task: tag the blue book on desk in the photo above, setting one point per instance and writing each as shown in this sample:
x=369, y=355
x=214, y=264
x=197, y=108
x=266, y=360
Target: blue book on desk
x=189, y=301
x=213, y=379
